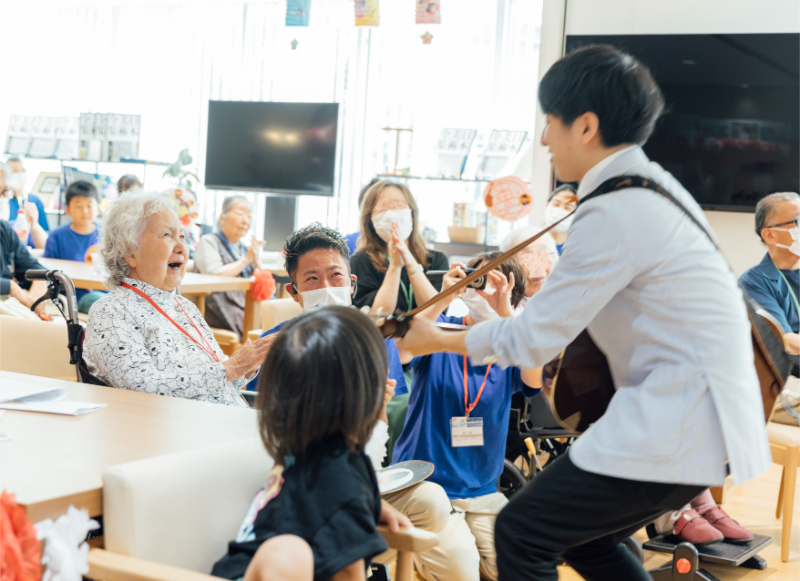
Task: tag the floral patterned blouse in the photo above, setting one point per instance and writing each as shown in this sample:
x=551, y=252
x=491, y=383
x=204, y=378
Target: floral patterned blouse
x=130, y=345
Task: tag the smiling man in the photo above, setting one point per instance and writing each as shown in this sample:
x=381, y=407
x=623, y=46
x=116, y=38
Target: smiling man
x=661, y=303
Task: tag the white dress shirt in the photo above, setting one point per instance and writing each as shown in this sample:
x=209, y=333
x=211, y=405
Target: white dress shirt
x=661, y=303
x=130, y=345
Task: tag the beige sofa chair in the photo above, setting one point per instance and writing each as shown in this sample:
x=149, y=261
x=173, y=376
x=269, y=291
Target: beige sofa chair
x=35, y=347
x=274, y=312
x=170, y=518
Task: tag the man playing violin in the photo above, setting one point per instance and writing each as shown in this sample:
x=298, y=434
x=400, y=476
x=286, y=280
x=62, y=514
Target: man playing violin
x=660, y=302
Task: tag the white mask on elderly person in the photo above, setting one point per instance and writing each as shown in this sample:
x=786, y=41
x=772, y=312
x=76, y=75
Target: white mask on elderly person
x=18, y=181
x=383, y=223
x=326, y=296
x=479, y=309
x=553, y=214
x=795, y=234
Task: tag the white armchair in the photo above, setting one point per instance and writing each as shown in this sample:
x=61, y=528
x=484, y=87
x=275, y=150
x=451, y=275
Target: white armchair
x=170, y=518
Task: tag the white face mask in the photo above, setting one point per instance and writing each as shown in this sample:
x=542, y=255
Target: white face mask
x=479, y=309
x=18, y=180
x=795, y=234
x=327, y=296
x=553, y=214
x=383, y=223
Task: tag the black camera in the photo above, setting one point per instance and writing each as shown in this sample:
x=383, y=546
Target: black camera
x=478, y=284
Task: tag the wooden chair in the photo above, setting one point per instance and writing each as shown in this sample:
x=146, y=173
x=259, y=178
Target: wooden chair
x=34, y=347
x=784, y=442
x=170, y=518
x=275, y=312
x=228, y=341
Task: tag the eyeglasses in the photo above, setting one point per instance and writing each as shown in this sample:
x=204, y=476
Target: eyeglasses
x=390, y=206
x=6, y=192
x=796, y=222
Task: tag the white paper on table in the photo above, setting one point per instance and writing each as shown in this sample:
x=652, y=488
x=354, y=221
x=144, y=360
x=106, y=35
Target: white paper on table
x=13, y=389
x=66, y=408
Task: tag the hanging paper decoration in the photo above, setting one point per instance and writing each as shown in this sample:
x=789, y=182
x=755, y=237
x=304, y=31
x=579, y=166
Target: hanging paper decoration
x=508, y=198
x=426, y=38
x=429, y=12
x=367, y=13
x=298, y=12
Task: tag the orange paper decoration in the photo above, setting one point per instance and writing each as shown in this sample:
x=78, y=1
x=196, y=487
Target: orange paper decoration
x=263, y=286
x=508, y=198
x=19, y=549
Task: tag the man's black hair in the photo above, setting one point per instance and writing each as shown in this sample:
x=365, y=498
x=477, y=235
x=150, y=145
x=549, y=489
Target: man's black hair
x=613, y=85
x=311, y=237
x=82, y=189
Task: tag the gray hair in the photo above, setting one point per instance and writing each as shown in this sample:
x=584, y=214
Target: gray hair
x=228, y=204
x=766, y=208
x=6, y=170
x=519, y=235
x=123, y=225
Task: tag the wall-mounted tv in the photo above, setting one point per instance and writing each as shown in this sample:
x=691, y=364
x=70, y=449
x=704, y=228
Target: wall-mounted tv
x=284, y=148
x=731, y=130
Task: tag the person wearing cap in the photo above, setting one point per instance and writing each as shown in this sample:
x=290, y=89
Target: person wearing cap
x=15, y=259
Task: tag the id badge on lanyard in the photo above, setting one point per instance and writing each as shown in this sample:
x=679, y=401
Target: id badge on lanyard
x=466, y=431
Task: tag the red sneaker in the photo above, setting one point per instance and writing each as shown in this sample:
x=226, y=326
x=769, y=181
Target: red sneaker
x=692, y=528
x=733, y=531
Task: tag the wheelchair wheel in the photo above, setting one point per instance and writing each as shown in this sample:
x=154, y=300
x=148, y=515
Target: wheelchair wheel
x=511, y=480
x=635, y=547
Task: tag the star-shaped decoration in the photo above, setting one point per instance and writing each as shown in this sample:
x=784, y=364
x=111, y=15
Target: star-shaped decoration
x=426, y=38
x=294, y=44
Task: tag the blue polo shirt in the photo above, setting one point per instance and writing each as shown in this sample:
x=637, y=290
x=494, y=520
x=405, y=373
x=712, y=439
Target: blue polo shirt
x=66, y=244
x=395, y=367
x=767, y=287
x=438, y=396
x=13, y=207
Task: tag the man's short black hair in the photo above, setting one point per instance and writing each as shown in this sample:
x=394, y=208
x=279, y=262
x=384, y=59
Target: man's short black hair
x=611, y=84
x=81, y=189
x=311, y=237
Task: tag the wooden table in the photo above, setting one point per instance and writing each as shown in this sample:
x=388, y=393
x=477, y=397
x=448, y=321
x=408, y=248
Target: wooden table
x=83, y=275
x=52, y=461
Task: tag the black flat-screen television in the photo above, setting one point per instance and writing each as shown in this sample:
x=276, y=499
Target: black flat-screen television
x=730, y=131
x=284, y=148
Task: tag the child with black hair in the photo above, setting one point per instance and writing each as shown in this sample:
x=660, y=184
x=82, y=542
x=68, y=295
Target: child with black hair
x=319, y=397
x=72, y=241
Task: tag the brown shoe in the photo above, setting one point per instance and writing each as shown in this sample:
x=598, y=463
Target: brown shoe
x=732, y=530
x=692, y=528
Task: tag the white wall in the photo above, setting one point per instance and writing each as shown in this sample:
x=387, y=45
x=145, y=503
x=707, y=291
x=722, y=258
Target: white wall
x=734, y=229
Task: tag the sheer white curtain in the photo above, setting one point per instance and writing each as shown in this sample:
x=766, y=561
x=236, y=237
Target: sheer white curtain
x=165, y=61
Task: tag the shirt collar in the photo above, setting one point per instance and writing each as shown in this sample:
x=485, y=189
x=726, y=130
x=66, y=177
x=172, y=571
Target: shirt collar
x=615, y=164
x=768, y=268
x=154, y=293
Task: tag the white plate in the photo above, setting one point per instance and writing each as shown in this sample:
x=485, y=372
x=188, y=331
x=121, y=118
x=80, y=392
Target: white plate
x=391, y=479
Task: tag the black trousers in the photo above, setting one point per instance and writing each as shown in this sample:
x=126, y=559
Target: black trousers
x=568, y=513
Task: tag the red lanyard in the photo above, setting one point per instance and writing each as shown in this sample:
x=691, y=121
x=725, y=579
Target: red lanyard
x=207, y=348
x=467, y=406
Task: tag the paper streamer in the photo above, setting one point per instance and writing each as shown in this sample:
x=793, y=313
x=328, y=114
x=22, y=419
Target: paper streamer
x=298, y=12
x=367, y=13
x=508, y=198
x=429, y=12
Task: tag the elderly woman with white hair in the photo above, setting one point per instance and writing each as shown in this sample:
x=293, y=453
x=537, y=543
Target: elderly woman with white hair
x=143, y=336
x=537, y=259
x=222, y=253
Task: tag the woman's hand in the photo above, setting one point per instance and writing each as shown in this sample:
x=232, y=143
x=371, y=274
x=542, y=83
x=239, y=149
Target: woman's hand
x=393, y=518
x=393, y=248
x=249, y=358
x=455, y=274
x=500, y=299
x=388, y=394
x=32, y=213
x=254, y=251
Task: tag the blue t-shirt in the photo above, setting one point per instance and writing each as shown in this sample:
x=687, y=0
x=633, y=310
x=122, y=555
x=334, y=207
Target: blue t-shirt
x=395, y=367
x=560, y=247
x=438, y=396
x=767, y=287
x=13, y=207
x=66, y=244
x=352, y=241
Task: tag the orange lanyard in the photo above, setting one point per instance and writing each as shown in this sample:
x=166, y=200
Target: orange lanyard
x=206, y=349
x=467, y=406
